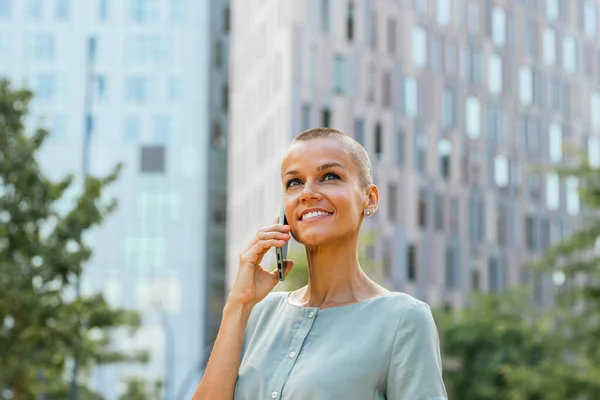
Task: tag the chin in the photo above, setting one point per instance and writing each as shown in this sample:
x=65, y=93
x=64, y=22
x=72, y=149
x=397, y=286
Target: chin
x=316, y=238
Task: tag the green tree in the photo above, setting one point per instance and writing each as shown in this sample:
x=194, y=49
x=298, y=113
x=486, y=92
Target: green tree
x=139, y=389
x=574, y=263
x=298, y=276
x=42, y=253
x=486, y=341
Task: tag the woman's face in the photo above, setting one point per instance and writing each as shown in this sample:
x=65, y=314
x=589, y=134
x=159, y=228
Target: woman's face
x=324, y=200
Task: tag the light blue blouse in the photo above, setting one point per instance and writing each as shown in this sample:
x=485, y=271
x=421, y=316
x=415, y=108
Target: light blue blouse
x=386, y=347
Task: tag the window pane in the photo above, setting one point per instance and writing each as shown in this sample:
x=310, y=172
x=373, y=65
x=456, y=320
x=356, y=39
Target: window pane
x=572, y=186
x=359, y=131
x=451, y=58
x=411, y=255
x=325, y=17
x=501, y=171
x=438, y=208
x=419, y=46
x=555, y=142
x=552, y=9
x=62, y=10
x=594, y=151
x=473, y=17
x=589, y=17
x=498, y=26
x=552, y=191
x=307, y=117
x=153, y=159
x=387, y=89
x=525, y=85
x=392, y=202
x=569, y=55
x=444, y=154
x=448, y=110
x=451, y=270
x=350, y=22
x=495, y=74
x=339, y=75
x=391, y=30
x=436, y=52
x=400, y=148
x=422, y=209
x=410, y=97
x=549, y=46
x=443, y=12
x=473, y=117
x=5, y=9
x=378, y=141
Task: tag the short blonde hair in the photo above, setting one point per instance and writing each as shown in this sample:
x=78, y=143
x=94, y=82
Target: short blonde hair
x=358, y=154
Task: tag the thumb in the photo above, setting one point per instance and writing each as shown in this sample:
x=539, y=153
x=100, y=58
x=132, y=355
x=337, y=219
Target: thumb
x=289, y=264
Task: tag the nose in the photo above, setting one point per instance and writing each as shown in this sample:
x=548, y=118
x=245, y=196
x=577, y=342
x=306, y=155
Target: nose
x=309, y=193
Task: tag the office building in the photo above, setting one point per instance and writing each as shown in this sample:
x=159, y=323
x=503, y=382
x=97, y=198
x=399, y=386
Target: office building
x=455, y=100
x=146, y=82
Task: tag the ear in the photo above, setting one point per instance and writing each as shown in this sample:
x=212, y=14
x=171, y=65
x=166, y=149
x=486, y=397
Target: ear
x=372, y=197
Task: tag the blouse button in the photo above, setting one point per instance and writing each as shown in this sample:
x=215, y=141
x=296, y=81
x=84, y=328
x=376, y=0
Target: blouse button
x=292, y=354
x=274, y=395
x=311, y=314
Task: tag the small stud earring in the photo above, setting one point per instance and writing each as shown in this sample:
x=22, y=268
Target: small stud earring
x=368, y=213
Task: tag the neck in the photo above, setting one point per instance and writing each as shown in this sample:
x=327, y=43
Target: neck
x=335, y=276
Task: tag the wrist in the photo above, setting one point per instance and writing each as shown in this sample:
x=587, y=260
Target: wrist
x=234, y=308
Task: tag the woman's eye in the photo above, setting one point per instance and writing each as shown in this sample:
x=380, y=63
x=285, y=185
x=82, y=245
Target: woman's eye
x=329, y=176
x=293, y=182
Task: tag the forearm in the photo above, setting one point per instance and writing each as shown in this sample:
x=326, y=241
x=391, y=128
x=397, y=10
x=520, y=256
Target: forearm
x=220, y=376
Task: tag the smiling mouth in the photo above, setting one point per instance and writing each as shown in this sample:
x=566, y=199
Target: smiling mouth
x=314, y=215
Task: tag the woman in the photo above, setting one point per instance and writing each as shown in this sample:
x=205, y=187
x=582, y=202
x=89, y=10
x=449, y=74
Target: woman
x=342, y=336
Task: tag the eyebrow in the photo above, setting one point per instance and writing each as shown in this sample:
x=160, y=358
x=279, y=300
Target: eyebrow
x=320, y=168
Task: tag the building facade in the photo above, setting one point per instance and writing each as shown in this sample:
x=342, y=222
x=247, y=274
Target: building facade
x=145, y=81
x=457, y=102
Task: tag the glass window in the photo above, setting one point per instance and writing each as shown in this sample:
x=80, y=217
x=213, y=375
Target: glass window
x=419, y=46
x=400, y=148
x=359, y=130
x=443, y=12
x=501, y=171
x=387, y=89
x=103, y=10
x=137, y=89
x=451, y=268
x=177, y=10
x=474, y=64
x=572, y=187
x=146, y=49
x=411, y=263
x=501, y=226
x=34, y=9
x=476, y=222
x=62, y=10
x=495, y=275
x=549, y=42
x=40, y=47
x=552, y=10
x=132, y=127
x=448, y=108
x=307, y=117
x=5, y=9
x=44, y=86
x=555, y=142
x=421, y=6
x=391, y=40
x=326, y=117
x=454, y=215
x=163, y=129
x=350, y=22
x=526, y=85
x=495, y=74
x=422, y=209
x=593, y=148
x=436, y=52
x=392, y=202
x=339, y=75
x=438, y=212
x=552, y=191
x=498, y=26
x=473, y=117
x=569, y=54
x=325, y=15
x=444, y=154
x=534, y=185
x=101, y=87
x=533, y=136
x=143, y=10
x=590, y=17
x=595, y=110
x=421, y=159
x=378, y=141
x=410, y=97
x=152, y=159
x=531, y=38
x=175, y=89
x=530, y=233
x=373, y=33
x=473, y=17
x=451, y=58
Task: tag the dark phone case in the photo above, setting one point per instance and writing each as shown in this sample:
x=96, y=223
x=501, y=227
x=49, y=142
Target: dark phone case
x=281, y=252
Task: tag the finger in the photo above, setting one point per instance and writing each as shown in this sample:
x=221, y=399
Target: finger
x=287, y=266
x=273, y=235
x=255, y=254
x=259, y=235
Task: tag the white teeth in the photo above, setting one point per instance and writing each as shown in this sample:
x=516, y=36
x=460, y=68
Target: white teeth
x=314, y=214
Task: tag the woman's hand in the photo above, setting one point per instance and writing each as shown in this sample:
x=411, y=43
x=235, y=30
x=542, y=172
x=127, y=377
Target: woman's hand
x=252, y=282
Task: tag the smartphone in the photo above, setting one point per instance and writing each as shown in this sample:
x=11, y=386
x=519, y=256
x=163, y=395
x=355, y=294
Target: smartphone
x=281, y=251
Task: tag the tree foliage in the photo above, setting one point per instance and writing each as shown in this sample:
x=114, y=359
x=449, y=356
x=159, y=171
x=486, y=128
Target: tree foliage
x=42, y=253
x=139, y=389
x=505, y=348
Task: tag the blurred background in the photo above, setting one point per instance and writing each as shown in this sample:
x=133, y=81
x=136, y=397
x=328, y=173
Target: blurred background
x=481, y=117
